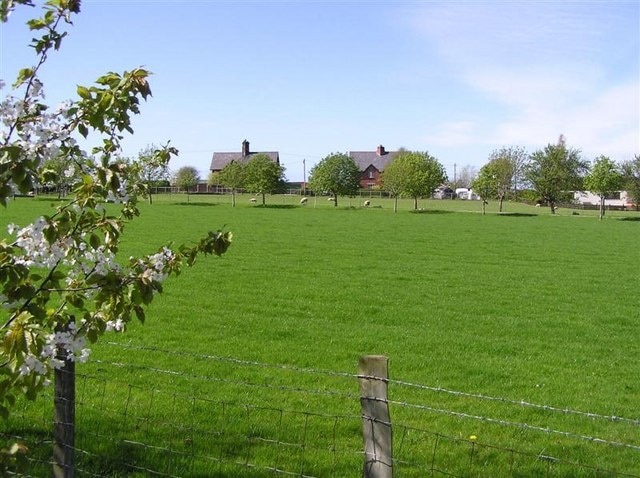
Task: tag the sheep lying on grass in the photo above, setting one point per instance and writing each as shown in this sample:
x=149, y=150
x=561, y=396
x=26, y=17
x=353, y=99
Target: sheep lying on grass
x=304, y=200
x=367, y=203
x=331, y=199
x=253, y=200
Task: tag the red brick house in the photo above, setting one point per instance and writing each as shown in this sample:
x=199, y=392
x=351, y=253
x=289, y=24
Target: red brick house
x=220, y=160
x=371, y=165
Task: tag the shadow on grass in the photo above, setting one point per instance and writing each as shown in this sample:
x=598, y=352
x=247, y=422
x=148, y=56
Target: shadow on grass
x=196, y=204
x=516, y=214
x=636, y=218
x=430, y=211
x=277, y=206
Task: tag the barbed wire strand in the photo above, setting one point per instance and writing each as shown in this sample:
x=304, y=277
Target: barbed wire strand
x=522, y=403
x=514, y=424
x=208, y=378
x=474, y=444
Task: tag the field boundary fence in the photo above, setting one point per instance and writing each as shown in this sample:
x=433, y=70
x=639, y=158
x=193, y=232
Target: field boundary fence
x=146, y=411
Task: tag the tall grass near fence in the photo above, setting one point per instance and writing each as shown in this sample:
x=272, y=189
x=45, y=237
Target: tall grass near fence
x=524, y=306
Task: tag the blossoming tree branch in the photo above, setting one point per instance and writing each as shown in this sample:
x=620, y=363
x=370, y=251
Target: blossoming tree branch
x=61, y=286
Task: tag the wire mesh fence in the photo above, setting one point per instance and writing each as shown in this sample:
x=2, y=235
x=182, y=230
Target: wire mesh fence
x=143, y=411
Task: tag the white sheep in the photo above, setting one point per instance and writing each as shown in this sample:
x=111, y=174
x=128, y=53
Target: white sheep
x=367, y=203
x=331, y=199
x=253, y=200
x=304, y=200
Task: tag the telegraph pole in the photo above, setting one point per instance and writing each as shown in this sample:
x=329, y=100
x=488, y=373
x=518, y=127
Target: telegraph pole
x=304, y=177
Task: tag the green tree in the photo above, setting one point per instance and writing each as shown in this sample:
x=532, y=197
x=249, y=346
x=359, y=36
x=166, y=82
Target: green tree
x=154, y=166
x=262, y=175
x=393, y=180
x=414, y=174
x=186, y=178
x=509, y=166
x=555, y=171
x=60, y=273
x=231, y=176
x=631, y=179
x=338, y=174
x=487, y=183
x=603, y=179
x=501, y=168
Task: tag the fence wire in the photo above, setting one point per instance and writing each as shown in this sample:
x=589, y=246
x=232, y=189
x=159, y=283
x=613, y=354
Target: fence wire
x=168, y=413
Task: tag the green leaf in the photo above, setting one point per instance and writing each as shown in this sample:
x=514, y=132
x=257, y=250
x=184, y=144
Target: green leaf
x=94, y=240
x=84, y=92
x=139, y=313
x=92, y=335
x=36, y=24
x=23, y=75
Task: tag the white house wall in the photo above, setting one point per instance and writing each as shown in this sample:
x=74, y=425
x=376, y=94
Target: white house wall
x=589, y=198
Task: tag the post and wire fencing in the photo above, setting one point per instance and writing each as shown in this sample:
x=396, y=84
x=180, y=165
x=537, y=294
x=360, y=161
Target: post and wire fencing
x=144, y=411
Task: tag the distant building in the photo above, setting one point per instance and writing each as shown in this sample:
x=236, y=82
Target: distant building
x=618, y=199
x=220, y=160
x=372, y=164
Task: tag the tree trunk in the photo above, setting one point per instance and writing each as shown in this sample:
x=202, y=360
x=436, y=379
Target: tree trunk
x=263, y=199
x=484, y=207
x=500, y=204
x=395, y=204
x=553, y=207
x=335, y=200
x=64, y=415
x=601, y=207
x=233, y=198
x=415, y=203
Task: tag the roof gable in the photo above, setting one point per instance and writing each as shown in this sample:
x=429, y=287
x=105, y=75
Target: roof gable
x=364, y=159
x=220, y=160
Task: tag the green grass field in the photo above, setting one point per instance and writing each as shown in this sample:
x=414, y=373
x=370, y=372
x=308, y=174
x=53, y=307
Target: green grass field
x=522, y=305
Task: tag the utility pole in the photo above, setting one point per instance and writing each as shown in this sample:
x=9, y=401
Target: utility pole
x=304, y=177
x=455, y=179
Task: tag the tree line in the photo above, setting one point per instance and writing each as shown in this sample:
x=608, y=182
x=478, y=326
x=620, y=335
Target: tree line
x=553, y=173
x=549, y=175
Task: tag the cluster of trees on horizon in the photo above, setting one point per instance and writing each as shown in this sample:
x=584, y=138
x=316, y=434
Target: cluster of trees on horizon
x=549, y=176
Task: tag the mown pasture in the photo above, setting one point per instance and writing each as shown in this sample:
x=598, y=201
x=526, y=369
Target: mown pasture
x=522, y=305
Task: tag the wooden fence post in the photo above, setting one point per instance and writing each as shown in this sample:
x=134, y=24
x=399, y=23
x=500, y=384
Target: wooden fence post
x=376, y=423
x=64, y=402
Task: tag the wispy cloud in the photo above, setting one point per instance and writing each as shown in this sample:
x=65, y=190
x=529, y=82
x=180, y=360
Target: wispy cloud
x=546, y=68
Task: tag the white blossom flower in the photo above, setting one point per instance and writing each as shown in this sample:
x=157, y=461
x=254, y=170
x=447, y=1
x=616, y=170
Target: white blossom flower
x=32, y=364
x=115, y=325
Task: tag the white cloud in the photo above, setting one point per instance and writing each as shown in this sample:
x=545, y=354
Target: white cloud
x=455, y=133
x=540, y=70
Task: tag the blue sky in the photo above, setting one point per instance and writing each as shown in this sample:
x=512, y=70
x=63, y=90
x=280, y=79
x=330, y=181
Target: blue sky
x=307, y=78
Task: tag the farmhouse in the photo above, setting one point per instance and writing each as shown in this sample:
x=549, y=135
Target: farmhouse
x=220, y=160
x=617, y=199
x=371, y=165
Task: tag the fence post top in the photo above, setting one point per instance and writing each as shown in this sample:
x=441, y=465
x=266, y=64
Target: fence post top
x=373, y=365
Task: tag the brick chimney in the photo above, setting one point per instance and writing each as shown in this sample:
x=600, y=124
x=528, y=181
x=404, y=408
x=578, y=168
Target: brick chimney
x=380, y=151
x=245, y=148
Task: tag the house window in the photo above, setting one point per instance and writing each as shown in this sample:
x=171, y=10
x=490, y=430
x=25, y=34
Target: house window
x=371, y=176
